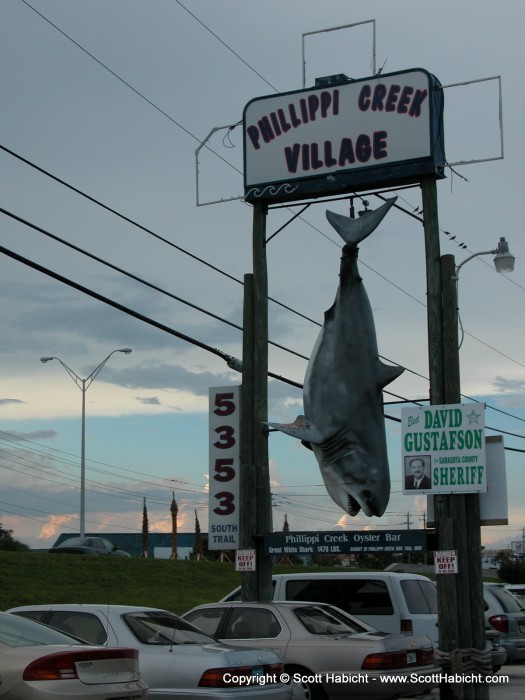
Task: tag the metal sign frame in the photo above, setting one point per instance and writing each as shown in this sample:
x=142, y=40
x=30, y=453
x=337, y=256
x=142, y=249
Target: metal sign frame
x=334, y=29
x=500, y=108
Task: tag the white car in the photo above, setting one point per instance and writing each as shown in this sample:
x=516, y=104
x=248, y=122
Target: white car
x=39, y=662
x=327, y=653
x=176, y=660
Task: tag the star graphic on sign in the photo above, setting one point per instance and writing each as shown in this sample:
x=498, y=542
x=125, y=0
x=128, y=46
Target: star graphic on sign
x=473, y=417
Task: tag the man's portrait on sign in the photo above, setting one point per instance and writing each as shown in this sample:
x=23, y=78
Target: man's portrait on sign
x=417, y=473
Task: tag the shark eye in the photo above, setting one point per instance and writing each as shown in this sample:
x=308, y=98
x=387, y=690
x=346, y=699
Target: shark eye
x=353, y=506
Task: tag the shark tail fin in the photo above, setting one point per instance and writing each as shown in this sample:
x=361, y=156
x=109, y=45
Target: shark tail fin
x=353, y=231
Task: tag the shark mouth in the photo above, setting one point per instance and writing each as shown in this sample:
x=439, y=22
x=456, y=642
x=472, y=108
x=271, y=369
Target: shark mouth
x=368, y=505
x=353, y=506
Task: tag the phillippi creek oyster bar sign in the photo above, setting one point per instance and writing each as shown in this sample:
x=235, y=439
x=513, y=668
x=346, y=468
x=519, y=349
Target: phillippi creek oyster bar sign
x=444, y=449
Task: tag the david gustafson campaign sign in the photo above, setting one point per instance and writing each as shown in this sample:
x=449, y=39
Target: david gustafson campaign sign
x=447, y=443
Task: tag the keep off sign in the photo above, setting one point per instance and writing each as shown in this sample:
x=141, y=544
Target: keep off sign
x=446, y=562
x=245, y=560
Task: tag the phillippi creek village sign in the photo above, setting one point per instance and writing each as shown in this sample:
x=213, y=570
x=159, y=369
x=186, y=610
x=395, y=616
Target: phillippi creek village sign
x=382, y=130
x=444, y=448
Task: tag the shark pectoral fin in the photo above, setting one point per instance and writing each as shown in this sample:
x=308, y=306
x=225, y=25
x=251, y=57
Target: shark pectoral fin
x=387, y=373
x=301, y=429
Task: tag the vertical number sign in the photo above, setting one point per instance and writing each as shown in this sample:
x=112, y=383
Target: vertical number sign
x=224, y=468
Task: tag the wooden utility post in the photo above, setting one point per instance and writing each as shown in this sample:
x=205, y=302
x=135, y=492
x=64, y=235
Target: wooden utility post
x=174, y=509
x=460, y=596
x=255, y=496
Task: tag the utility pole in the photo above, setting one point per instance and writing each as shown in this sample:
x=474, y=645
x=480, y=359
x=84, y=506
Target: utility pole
x=460, y=596
x=255, y=497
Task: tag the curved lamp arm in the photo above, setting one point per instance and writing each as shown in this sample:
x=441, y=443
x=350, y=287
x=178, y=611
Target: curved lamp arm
x=503, y=262
x=83, y=384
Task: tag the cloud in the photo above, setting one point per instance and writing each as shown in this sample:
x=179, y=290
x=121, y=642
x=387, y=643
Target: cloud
x=7, y=402
x=150, y=401
x=166, y=376
x=509, y=386
x=53, y=527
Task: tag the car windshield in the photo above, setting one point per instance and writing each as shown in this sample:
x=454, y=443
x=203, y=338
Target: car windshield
x=75, y=542
x=420, y=596
x=161, y=627
x=326, y=620
x=509, y=602
x=17, y=631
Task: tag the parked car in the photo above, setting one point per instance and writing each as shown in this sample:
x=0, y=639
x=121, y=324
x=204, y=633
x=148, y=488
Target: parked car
x=517, y=589
x=504, y=613
x=386, y=600
x=498, y=653
x=88, y=545
x=176, y=659
x=37, y=661
x=326, y=651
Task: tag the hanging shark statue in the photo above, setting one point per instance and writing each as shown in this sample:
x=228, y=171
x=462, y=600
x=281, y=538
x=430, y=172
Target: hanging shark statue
x=342, y=395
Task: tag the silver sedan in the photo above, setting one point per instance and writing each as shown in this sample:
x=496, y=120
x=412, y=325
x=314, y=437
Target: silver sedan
x=39, y=662
x=326, y=652
x=177, y=661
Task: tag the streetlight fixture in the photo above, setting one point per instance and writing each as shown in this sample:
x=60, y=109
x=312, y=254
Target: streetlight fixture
x=503, y=262
x=83, y=385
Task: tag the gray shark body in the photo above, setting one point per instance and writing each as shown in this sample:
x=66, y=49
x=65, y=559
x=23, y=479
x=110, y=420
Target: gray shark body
x=343, y=422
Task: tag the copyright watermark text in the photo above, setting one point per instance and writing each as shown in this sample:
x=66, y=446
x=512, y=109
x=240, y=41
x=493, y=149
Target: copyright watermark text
x=356, y=678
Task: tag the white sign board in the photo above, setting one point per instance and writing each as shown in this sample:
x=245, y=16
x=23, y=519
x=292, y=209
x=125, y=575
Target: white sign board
x=444, y=449
x=360, y=130
x=245, y=560
x=224, y=424
x=493, y=505
x=446, y=562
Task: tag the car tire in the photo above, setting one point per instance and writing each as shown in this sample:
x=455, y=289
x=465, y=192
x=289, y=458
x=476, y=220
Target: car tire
x=304, y=690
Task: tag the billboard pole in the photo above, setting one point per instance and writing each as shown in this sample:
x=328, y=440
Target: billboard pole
x=255, y=500
x=460, y=596
x=447, y=602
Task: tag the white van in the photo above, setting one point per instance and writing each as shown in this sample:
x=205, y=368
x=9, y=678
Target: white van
x=390, y=602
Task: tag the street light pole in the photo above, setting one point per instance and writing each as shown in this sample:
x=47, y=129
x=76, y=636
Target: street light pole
x=83, y=385
x=458, y=515
x=460, y=596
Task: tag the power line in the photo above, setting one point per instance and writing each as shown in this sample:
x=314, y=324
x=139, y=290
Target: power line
x=231, y=277
x=104, y=262
x=125, y=82
x=142, y=96
x=132, y=276
x=144, y=228
x=15, y=439
x=227, y=46
x=231, y=361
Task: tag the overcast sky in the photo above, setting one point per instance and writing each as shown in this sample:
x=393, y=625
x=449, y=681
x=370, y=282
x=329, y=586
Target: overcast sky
x=113, y=97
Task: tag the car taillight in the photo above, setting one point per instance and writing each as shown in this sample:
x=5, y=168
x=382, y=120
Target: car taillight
x=425, y=657
x=62, y=665
x=388, y=661
x=236, y=675
x=406, y=626
x=500, y=622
